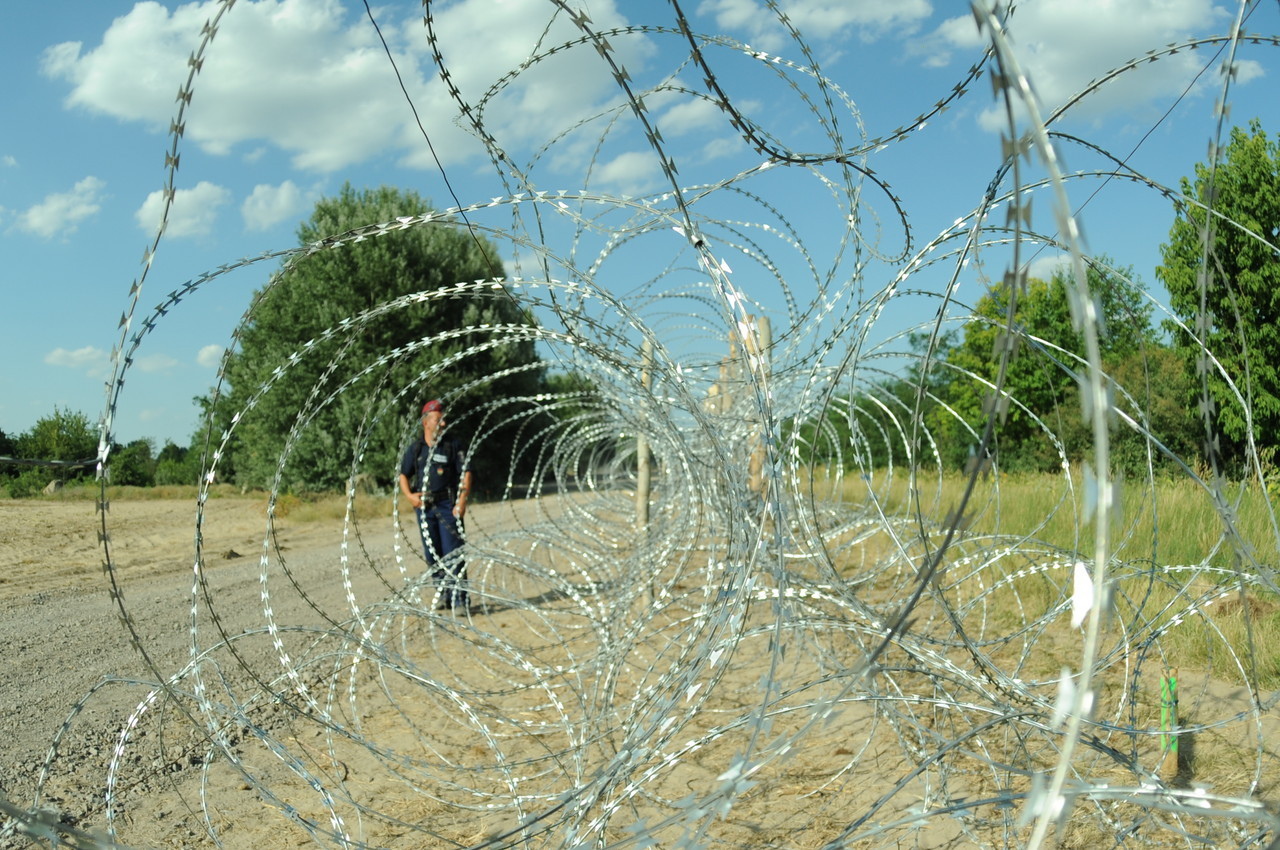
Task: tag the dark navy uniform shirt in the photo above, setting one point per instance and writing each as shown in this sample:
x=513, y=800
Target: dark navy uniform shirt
x=443, y=464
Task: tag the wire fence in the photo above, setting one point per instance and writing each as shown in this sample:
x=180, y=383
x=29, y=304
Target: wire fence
x=788, y=652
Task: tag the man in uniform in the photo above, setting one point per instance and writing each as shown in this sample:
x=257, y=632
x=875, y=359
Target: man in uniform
x=435, y=477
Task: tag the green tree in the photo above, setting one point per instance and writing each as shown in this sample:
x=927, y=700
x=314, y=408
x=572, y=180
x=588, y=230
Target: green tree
x=1151, y=389
x=303, y=378
x=913, y=400
x=9, y=472
x=825, y=440
x=1040, y=374
x=64, y=436
x=576, y=395
x=7, y=449
x=1238, y=321
x=133, y=465
x=177, y=465
x=567, y=428
x=871, y=427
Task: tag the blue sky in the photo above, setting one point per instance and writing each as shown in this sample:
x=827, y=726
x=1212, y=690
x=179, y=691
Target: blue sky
x=296, y=97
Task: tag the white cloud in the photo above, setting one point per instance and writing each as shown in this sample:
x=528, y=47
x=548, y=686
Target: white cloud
x=62, y=212
x=296, y=73
x=546, y=97
x=952, y=34
x=692, y=114
x=825, y=19
x=90, y=360
x=192, y=213
x=267, y=206
x=10, y=161
x=210, y=356
x=632, y=173
x=155, y=363
x=1044, y=267
x=1061, y=47
x=310, y=77
x=723, y=147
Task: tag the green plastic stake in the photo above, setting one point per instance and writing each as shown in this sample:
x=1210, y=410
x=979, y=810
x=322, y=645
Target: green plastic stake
x=1169, y=713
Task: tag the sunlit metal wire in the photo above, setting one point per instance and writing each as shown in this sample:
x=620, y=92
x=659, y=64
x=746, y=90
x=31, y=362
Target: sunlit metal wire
x=789, y=653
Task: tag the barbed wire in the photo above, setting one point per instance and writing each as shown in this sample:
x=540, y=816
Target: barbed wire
x=789, y=652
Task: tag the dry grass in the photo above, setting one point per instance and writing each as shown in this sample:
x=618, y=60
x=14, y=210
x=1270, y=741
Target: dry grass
x=331, y=507
x=89, y=490
x=1167, y=521
x=1165, y=533
x=310, y=508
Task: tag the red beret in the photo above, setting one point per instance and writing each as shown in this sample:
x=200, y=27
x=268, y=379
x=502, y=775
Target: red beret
x=434, y=404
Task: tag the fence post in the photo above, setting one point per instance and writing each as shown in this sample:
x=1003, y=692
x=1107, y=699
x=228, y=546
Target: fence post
x=642, y=443
x=761, y=347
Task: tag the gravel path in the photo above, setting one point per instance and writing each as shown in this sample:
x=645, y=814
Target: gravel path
x=61, y=642
x=62, y=638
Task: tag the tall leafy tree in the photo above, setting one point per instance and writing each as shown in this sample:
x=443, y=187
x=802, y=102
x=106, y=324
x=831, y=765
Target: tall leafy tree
x=871, y=427
x=1040, y=374
x=297, y=378
x=1151, y=389
x=65, y=435
x=176, y=465
x=134, y=464
x=1222, y=270
x=7, y=449
x=826, y=439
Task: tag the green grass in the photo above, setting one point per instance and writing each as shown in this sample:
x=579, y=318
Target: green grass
x=1166, y=521
x=86, y=491
x=1198, y=624
x=1171, y=525
x=331, y=507
x=321, y=507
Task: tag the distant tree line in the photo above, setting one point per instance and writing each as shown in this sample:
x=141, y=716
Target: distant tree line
x=345, y=344
x=342, y=347
x=67, y=435
x=340, y=350
x=1204, y=387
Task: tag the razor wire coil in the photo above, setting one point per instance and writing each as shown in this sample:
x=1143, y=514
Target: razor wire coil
x=758, y=640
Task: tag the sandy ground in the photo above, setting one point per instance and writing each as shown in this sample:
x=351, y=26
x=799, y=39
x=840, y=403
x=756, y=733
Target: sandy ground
x=54, y=546
x=63, y=635
x=425, y=759
x=445, y=730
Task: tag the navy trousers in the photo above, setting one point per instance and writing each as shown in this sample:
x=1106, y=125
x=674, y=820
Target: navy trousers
x=441, y=542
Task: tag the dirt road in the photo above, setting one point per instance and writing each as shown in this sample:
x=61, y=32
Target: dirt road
x=62, y=632
x=314, y=696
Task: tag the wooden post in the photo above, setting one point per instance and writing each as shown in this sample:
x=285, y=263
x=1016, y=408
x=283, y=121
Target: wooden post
x=761, y=347
x=642, y=444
